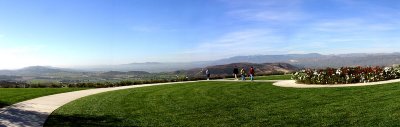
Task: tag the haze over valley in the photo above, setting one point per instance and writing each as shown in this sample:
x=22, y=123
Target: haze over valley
x=264, y=65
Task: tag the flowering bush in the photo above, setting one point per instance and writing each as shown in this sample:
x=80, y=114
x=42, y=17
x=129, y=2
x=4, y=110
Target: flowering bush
x=346, y=75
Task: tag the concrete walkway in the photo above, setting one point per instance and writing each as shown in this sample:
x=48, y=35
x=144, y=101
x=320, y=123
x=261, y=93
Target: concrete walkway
x=227, y=80
x=293, y=84
x=33, y=113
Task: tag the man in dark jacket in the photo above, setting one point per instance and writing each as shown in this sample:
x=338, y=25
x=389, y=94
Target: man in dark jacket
x=235, y=72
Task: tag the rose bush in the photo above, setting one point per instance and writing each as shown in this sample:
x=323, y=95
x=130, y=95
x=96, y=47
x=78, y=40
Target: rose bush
x=346, y=75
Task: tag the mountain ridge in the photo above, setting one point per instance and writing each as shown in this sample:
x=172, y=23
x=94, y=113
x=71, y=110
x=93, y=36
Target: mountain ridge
x=310, y=60
x=227, y=69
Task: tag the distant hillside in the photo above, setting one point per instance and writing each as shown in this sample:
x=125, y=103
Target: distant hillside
x=153, y=67
x=312, y=60
x=348, y=60
x=315, y=60
x=126, y=73
x=33, y=70
x=267, y=58
x=227, y=69
x=40, y=69
x=10, y=78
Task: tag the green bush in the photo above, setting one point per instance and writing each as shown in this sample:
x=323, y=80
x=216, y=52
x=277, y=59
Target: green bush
x=346, y=75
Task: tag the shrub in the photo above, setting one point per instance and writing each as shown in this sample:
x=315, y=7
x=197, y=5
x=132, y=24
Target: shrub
x=346, y=75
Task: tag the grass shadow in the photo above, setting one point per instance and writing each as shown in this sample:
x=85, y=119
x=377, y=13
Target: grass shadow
x=82, y=121
x=3, y=104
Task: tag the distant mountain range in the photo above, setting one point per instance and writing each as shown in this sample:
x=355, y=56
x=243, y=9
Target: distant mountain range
x=45, y=74
x=227, y=69
x=263, y=64
x=125, y=73
x=35, y=70
x=312, y=60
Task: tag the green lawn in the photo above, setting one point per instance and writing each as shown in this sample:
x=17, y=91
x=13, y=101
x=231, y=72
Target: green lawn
x=269, y=77
x=10, y=96
x=273, y=77
x=235, y=104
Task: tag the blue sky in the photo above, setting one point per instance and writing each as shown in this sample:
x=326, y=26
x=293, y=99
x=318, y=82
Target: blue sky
x=103, y=32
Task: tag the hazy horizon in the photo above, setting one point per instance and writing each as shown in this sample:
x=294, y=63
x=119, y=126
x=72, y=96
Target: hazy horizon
x=105, y=32
x=100, y=66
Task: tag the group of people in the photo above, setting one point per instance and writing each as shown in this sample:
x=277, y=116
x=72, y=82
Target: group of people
x=243, y=73
x=236, y=73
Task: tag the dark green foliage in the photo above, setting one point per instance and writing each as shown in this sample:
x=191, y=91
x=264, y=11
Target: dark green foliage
x=13, y=84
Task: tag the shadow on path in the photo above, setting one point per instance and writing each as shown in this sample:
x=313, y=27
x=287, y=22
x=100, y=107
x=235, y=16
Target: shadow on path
x=19, y=117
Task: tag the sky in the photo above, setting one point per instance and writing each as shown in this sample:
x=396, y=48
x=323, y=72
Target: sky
x=66, y=33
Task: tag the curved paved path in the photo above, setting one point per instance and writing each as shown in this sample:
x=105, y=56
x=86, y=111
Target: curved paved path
x=293, y=84
x=33, y=113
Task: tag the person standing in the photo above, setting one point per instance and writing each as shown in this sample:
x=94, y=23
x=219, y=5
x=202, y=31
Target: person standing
x=208, y=74
x=251, y=73
x=235, y=72
x=243, y=73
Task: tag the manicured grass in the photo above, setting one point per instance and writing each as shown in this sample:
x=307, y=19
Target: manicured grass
x=235, y=104
x=273, y=77
x=269, y=77
x=9, y=96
